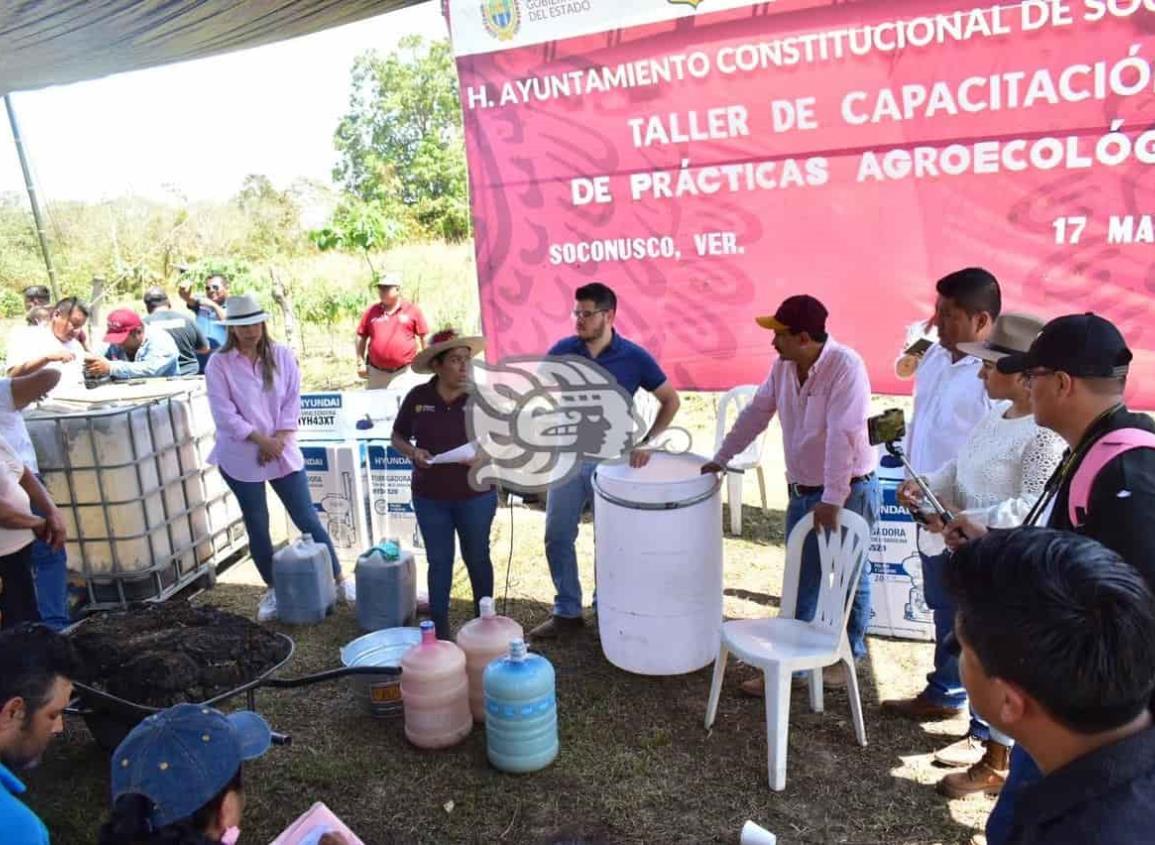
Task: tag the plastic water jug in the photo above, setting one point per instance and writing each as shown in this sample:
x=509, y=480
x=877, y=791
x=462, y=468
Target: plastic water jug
x=303, y=582
x=483, y=640
x=520, y=711
x=435, y=692
x=386, y=588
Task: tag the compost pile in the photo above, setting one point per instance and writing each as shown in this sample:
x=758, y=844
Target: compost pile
x=169, y=653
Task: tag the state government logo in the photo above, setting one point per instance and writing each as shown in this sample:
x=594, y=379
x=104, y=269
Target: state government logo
x=502, y=18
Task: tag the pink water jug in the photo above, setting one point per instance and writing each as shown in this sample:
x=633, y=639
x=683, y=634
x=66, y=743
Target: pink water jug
x=435, y=692
x=483, y=640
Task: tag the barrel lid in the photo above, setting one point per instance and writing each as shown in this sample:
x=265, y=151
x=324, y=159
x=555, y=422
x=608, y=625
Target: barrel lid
x=666, y=478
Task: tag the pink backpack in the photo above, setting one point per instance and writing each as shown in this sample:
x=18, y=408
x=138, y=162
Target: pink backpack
x=1102, y=451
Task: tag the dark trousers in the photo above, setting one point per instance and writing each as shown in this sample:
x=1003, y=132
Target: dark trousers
x=17, y=589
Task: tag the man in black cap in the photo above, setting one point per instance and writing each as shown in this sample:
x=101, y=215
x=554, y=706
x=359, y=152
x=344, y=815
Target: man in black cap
x=1105, y=486
x=820, y=392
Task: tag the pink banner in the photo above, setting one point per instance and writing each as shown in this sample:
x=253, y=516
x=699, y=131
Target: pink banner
x=707, y=167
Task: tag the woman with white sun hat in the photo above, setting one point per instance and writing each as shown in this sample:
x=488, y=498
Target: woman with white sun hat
x=254, y=388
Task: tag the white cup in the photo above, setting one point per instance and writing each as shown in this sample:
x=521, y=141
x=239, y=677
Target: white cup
x=753, y=834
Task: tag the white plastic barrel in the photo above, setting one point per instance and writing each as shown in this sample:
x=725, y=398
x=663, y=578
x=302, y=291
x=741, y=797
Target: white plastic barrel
x=658, y=541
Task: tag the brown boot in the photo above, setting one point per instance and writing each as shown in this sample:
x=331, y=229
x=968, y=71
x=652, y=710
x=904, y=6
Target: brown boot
x=557, y=626
x=961, y=754
x=987, y=776
x=919, y=709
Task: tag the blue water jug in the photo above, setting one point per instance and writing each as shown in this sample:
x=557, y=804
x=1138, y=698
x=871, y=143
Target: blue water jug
x=303, y=582
x=386, y=588
x=520, y=711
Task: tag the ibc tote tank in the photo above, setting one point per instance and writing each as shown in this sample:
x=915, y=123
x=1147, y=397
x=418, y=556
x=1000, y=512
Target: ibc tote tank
x=658, y=547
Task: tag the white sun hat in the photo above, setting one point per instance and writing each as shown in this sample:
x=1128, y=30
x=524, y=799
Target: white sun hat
x=243, y=310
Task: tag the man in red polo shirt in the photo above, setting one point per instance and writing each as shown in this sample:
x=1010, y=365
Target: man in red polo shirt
x=391, y=332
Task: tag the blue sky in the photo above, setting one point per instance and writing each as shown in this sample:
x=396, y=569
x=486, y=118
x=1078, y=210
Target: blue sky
x=200, y=127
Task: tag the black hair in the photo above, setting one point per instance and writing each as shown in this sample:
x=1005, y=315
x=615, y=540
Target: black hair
x=37, y=292
x=600, y=295
x=130, y=822
x=974, y=290
x=32, y=657
x=1064, y=618
x=66, y=306
x=220, y=276
x=817, y=337
x=155, y=297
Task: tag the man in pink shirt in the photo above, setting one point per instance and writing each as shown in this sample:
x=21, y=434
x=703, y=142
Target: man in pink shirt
x=820, y=391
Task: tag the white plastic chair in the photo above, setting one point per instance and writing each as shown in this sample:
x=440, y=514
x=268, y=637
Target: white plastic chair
x=735, y=400
x=782, y=645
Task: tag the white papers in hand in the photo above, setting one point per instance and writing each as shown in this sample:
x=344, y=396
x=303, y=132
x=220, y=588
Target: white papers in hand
x=461, y=455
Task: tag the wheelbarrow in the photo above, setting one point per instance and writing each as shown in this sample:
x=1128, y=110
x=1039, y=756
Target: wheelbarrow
x=110, y=718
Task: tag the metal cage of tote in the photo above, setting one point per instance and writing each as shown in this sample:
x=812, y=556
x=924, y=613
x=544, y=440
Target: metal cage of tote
x=146, y=515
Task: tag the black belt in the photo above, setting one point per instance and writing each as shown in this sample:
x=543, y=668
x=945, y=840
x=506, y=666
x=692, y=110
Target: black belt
x=805, y=490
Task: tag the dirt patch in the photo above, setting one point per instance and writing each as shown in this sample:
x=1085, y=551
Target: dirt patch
x=165, y=654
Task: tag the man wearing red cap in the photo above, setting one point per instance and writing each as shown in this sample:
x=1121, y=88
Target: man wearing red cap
x=821, y=394
x=134, y=350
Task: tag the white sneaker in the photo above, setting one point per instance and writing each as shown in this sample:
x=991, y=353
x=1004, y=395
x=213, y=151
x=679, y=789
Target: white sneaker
x=267, y=609
x=348, y=590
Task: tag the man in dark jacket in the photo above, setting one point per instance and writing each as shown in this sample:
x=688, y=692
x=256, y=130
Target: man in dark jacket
x=1077, y=370
x=1058, y=652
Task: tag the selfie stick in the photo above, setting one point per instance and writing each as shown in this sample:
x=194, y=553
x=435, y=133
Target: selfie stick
x=895, y=449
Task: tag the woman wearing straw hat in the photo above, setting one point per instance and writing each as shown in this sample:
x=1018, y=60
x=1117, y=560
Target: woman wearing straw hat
x=994, y=481
x=254, y=389
x=431, y=421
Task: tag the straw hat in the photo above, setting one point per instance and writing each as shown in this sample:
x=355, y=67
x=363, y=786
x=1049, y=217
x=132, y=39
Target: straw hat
x=243, y=310
x=1011, y=334
x=423, y=362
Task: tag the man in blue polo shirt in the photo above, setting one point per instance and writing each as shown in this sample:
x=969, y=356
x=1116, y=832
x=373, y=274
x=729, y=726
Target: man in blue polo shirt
x=595, y=308
x=36, y=665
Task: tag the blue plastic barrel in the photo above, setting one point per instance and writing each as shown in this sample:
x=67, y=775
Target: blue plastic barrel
x=520, y=711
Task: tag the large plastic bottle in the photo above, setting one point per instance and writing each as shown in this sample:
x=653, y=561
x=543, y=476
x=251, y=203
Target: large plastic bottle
x=386, y=588
x=303, y=582
x=435, y=692
x=483, y=640
x=520, y=711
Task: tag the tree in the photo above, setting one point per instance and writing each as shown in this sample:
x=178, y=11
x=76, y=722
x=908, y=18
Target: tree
x=401, y=144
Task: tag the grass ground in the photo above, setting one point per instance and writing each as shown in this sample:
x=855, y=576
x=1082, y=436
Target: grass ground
x=636, y=765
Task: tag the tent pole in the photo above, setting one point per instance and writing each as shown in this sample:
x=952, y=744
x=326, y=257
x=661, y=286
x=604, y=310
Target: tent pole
x=30, y=186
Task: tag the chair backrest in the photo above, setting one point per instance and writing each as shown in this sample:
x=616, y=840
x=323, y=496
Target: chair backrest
x=733, y=402
x=841, y=556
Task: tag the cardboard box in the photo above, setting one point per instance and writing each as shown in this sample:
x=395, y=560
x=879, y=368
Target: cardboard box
x=898, y=607
x=337, y=488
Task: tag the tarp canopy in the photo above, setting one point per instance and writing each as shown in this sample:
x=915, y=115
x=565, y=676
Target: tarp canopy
x=53, y=42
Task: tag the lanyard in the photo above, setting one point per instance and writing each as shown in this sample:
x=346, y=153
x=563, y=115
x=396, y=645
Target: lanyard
x=1066, y=468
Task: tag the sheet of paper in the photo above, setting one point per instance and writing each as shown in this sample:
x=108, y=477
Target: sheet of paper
x=462, y=454
x=312, y=825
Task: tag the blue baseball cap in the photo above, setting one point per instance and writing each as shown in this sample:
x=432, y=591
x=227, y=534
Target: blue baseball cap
x=182, y=757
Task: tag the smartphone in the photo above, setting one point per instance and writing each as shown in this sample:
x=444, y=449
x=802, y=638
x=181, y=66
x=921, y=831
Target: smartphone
x=887, y=427
x=918, y=348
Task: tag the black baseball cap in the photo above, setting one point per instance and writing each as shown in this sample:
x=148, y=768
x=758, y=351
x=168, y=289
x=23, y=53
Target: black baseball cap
x=801, y=313
x=1081, y=345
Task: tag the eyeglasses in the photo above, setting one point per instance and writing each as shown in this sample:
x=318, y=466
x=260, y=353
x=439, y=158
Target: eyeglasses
x=585, y=315
x=1039, y=372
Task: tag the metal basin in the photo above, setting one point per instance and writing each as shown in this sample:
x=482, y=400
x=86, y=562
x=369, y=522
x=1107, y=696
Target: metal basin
x=385, y=648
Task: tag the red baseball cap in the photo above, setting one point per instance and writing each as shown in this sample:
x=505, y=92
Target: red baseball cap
x=800, y=313
x=121, y=323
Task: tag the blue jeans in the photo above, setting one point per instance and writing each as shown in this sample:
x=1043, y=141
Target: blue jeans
x=944, y=684
x=293, y=491
x=1024, y=772
x=563, y=511
x=50, y=569
x=470, y=519
x=865, y=499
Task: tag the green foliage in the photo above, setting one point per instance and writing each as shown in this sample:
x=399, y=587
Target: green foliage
x=401, y=144
x=11, y=303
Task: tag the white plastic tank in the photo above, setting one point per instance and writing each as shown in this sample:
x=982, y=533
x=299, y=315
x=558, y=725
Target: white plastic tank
x=658, y=541
x=126, y=465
